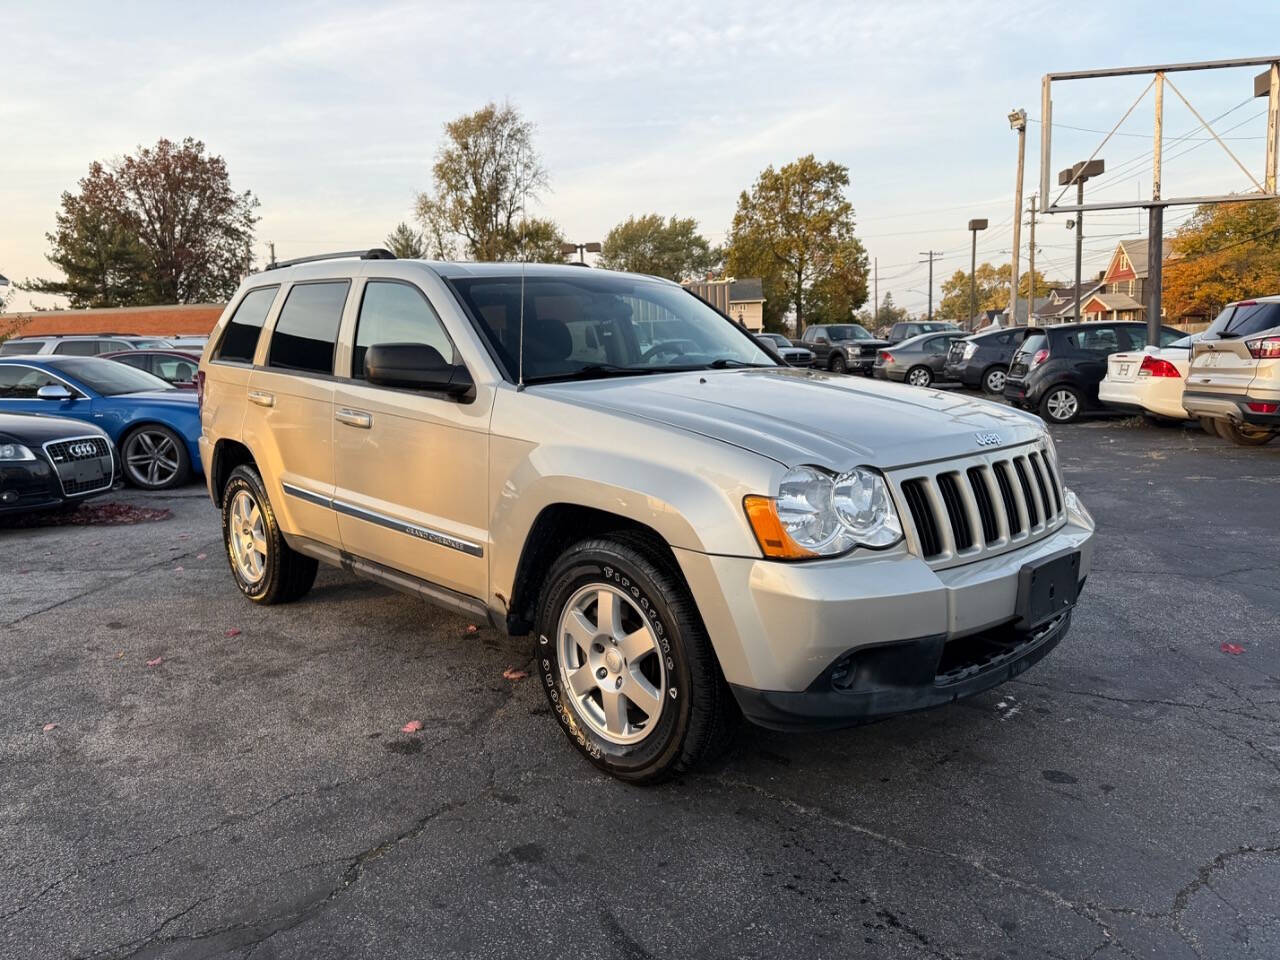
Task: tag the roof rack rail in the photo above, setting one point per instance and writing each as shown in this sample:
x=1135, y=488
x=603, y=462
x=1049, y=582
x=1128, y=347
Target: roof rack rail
x=373, y=253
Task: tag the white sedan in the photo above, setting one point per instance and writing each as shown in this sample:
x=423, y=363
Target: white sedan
x=1149, y=381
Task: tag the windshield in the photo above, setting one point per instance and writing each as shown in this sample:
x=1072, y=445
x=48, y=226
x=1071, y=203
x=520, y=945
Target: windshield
x=1242, y=319
x=601, y=324
x=110, y=378
x=849, y=331
x=777, y=339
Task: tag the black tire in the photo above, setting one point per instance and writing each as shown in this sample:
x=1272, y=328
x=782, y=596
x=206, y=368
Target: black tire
x=1052, y=412
x=1243, y=434
x=1208, y=426
x=1000, y=373
x=838, y=364
x=287, y=575
x=698, y=716
x=921, y=373
x=129, y=445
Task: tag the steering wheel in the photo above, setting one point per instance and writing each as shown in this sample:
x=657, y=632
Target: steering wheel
x=672, y=347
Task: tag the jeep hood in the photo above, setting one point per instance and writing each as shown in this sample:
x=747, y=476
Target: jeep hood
x=804, y=416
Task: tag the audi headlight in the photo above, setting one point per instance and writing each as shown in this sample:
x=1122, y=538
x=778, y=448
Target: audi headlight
x=819, y=514
x=15, y=451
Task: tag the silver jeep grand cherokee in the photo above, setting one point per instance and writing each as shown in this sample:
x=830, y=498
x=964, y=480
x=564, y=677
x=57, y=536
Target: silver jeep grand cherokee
x=689, y=530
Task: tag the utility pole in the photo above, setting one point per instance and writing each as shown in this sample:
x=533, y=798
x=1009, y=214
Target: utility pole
x=1031, y=266
x=974, y=227
x=1078, y=174
x=875, y=287
x=271, y=245
x=1155, y=219
x=1018, y=121
x=932, y=255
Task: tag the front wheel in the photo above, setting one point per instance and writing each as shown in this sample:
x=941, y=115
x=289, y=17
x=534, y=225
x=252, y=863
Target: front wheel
x=266, y=569
x=1244, y=434
x=993, y=380
x=1060, y=404
x=155, y=458
x=838, y=364
x=920, y=376
x=626, y=662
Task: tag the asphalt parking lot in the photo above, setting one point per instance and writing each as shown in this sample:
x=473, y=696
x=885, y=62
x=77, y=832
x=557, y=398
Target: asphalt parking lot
x=250, y=792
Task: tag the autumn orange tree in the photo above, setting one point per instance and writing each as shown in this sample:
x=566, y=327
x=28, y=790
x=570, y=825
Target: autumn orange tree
x=1225, y=252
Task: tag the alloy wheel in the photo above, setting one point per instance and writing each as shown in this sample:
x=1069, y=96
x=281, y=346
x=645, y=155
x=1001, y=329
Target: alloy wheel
x=995, y=381
x=919, y=377
x=152, y=459
x=1062, y=405
x=610, y=664
x=246, y=536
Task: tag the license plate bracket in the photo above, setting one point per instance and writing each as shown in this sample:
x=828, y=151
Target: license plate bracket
x=1047, y=588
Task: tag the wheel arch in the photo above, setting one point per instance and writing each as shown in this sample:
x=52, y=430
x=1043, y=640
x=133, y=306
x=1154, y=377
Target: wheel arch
x=558, y=526
x=227, y=455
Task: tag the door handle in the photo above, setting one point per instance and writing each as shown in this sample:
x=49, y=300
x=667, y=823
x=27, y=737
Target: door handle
x=262, y=398
x=354, y=418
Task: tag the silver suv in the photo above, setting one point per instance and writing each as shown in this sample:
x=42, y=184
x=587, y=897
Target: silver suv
x=79, y=345
x=1234, y=381
x=688, y=530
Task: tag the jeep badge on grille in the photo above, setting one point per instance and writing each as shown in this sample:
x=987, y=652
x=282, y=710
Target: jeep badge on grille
x=987, y=439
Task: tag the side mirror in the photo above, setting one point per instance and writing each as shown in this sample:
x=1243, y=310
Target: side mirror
x=416, y=366
x=53, y=391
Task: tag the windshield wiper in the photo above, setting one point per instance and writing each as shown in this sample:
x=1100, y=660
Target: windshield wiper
x=593, y=371
x=720, y=363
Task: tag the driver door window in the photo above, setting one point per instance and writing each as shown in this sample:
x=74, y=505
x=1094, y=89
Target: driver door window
x=393, y=312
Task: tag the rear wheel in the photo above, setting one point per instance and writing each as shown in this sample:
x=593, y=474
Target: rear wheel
x=993, y=380
x=838, y=364
x=1061, y=404
x=155, y=458
x=1208, y=425
x=267, y=570
x=920, y=376
x=1244, y=434
x=626, y=662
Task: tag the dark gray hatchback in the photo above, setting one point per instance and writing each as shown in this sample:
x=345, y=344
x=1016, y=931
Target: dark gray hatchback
x=982, y=360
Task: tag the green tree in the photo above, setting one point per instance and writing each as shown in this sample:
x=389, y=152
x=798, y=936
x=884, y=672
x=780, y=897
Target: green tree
x=1225, y=252
x=163, y=226
x=406, y=243
x=795, y=230
x=484, y=175
x=670, y=248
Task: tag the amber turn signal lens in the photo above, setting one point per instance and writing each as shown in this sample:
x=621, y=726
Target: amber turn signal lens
x=773, y=540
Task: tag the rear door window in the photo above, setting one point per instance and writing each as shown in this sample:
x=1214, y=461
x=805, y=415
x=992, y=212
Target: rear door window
x=307, y=331
x=394, y=312
x=77, y=348
x=240, y=340
x=1097, y=340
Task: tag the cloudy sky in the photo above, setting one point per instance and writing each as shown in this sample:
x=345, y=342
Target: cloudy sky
x=332, y=112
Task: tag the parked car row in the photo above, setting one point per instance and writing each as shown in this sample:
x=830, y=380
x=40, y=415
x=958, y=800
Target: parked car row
x=97, y=344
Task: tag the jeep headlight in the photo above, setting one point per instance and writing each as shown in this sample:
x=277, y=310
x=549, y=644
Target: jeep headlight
x=15, y=451
x=819, y=514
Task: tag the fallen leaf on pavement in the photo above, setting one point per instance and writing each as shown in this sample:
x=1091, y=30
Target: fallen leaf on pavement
x=1232, y=648
x=177, y=569
x=50, y=726
x=233, y=632
x=120, y=655
x=156, y=662
x=511, y=673
x=472, y=628
x=413, y=726
x=201, y=556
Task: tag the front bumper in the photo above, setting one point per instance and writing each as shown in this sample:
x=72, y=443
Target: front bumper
x=1233, y=407
x=782, y=631
x=28, y=485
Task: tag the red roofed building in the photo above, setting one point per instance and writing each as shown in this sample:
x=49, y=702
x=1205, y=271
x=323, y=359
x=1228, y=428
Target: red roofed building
x=1123, y=294
x=177, y=319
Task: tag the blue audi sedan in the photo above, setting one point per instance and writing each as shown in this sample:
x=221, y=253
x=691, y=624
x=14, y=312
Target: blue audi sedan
x=155, y=427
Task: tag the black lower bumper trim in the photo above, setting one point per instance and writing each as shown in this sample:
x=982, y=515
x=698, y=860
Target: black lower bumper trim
x=878, y=682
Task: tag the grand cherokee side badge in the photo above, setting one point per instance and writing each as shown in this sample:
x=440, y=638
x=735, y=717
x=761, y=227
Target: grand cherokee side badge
x=987, y=439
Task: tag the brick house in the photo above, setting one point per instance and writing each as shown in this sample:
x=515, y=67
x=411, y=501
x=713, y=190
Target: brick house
x=189, y=319
x=1122, y=295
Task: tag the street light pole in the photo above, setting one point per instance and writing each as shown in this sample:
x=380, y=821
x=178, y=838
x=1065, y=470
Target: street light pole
x=579, y=249
x=1017, y=121
x=974, y=227
x=1078, y=174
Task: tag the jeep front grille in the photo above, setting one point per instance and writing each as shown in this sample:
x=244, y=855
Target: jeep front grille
x=981, y=506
